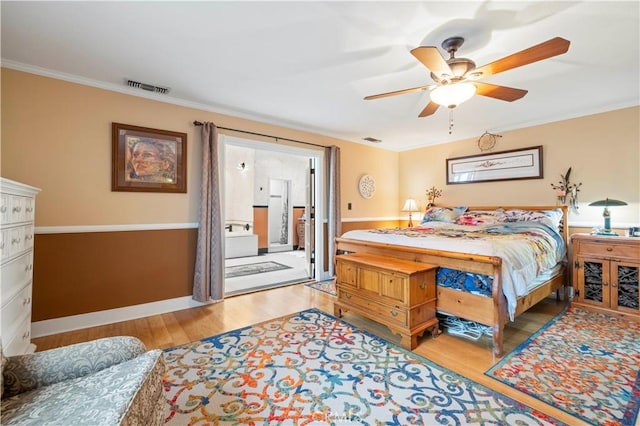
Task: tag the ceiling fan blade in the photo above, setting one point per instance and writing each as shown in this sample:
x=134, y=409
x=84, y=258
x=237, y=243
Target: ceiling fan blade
x=399, y=92
x=555, y=46
x=431, y=108
x=503, y=93
x=431, y=58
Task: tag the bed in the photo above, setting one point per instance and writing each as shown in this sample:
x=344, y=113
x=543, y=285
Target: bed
x=450, y=237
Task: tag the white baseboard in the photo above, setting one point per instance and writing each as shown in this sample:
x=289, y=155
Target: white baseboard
x=93, y=319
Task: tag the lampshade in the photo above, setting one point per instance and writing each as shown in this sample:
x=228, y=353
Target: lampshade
x=452, y=95
x=607, y=202
x=410, y=206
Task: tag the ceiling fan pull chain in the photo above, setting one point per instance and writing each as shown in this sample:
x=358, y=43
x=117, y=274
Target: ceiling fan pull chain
x=451, y=121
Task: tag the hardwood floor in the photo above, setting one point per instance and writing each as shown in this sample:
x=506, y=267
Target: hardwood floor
x=469, y=358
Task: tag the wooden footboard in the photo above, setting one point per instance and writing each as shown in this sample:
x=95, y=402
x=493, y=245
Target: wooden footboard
x=491, y=311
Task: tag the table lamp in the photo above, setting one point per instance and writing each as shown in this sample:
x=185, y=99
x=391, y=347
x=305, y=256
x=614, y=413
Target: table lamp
x=410, y=206
x=607, y=202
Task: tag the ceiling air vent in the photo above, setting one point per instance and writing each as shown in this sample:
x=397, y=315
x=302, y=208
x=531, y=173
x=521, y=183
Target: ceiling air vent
x=373, y=140
x=147, y=87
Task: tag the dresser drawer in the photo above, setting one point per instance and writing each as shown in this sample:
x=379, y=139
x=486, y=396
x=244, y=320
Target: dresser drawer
x=15, y=275
x=609, y=250
x=385, y=313
x=15, y=311
x=20, y=342
x=17, y=209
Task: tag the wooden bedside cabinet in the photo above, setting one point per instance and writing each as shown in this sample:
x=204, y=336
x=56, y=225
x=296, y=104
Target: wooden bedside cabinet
x=400, y=294
x=605, y=274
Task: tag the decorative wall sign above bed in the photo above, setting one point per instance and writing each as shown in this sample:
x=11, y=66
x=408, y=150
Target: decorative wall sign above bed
x=525, y=163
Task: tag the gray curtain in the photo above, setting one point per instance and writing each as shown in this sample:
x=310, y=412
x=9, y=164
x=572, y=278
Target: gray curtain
x=334, y=227
x=208, y=280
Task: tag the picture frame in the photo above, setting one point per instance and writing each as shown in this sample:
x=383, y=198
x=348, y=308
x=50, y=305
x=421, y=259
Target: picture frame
x=524, y=163
x=148, y=160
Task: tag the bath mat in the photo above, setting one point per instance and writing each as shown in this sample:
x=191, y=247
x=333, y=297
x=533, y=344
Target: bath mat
x=253, y=268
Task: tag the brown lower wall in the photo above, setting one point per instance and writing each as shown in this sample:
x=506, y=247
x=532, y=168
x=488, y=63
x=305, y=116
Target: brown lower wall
x=87, y=272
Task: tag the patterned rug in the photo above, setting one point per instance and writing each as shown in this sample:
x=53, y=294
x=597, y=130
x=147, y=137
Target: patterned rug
x=253, y=268
x=584, y=363
x=313, y=369
x=326, y=286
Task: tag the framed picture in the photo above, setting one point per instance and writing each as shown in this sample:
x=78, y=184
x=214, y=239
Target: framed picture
x=148, y=160
x=506, y=165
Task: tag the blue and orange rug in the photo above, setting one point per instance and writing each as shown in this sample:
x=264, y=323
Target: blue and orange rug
x=328, y=286
x=314, y=369
x=583, y=363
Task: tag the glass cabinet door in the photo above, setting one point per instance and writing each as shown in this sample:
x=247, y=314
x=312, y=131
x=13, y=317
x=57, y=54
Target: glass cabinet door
x=624, y=286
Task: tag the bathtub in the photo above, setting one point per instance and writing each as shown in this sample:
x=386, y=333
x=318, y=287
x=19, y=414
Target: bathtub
x=240, y=244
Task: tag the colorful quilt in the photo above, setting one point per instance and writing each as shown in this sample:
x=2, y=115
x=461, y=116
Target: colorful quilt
x=527, y=248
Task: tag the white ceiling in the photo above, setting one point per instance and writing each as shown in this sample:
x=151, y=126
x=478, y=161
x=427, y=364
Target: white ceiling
x=308, y=65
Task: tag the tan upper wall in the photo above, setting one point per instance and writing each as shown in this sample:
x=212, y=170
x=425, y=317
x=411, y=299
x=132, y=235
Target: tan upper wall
x=602, y=150
x=56, y=135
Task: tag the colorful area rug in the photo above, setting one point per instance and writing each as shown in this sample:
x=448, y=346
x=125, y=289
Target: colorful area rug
x=253, y=268
x=584, y=363
x=313, y=369
x=326, y=286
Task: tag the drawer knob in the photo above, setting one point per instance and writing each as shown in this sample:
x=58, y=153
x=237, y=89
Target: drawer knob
x=15, y=241
x=609, y=249
x=604, y=283
x=347, y=295
x=17, y=209
x=423, y=286
x=26, y=301
x=29, y=209
x=3, y=209
x=394, y=313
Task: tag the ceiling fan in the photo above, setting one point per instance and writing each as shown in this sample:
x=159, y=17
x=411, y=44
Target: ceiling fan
x=456, y=78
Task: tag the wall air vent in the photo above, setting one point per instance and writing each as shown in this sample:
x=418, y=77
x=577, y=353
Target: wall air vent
x=373, y=140
x=147, y=87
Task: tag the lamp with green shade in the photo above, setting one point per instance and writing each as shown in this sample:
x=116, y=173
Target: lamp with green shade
x=607, y=202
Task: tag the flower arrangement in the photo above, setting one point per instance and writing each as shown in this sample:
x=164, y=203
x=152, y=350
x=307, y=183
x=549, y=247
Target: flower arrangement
x=432, y=194
x=564, y=188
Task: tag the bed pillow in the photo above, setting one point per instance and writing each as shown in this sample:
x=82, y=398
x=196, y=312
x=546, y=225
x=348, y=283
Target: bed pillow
x=550, y=217
x=443, y=214
x=480, y=217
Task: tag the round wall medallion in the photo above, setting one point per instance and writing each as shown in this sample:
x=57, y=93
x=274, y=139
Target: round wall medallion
x=366, y=186
x=487, y=141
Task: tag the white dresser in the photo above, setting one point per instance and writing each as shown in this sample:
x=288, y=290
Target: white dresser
x=17, y=213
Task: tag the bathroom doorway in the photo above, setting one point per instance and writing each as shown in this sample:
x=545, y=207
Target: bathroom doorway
x=272, y=201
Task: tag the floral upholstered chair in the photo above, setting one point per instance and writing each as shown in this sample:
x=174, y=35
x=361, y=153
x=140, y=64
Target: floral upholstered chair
x=111, y=381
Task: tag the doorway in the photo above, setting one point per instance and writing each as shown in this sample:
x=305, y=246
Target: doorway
x=272, y=199
x=279, y=215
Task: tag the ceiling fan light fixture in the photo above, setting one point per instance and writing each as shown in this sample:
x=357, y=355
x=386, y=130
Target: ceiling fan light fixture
x=452, y=95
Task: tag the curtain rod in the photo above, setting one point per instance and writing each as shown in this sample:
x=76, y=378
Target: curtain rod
x=199, y=123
